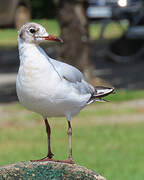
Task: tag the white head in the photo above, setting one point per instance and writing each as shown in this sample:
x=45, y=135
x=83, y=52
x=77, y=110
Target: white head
x=35, y=33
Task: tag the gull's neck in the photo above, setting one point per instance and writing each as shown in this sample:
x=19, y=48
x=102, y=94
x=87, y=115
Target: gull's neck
x=33, y=56
x=31, y=53
x=26, y=49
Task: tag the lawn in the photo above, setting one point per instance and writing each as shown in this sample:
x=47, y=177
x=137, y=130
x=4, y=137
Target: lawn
x=107, y=137
x=8, y=37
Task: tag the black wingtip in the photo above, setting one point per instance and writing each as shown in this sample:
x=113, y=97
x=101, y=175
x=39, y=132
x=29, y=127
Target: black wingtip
x=102, y=91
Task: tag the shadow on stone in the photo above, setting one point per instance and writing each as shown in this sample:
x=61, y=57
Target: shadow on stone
x=47, y=171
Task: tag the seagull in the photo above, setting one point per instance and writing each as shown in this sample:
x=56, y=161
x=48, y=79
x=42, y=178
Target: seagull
x=50, y=87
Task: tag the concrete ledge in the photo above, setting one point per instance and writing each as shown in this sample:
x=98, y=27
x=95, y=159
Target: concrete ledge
x=47, y=171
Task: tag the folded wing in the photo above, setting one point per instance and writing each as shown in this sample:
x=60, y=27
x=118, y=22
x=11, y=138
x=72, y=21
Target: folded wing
x=75, y=77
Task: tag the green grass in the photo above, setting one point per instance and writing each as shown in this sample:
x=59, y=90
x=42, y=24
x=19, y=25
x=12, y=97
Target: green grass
x=106, y=136
x=8, y=37
x=126, y=95
x=115, y=151
x=113, y=30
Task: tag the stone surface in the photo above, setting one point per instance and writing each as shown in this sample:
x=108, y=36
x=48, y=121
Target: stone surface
x=47, y=171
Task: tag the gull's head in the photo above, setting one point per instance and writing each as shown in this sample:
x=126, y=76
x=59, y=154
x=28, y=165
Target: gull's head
x=35, y=33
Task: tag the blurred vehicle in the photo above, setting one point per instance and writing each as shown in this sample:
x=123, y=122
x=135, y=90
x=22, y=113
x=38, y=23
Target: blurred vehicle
x=98, y=9
x=14, y=12
x=115, y=9
x=130, y=46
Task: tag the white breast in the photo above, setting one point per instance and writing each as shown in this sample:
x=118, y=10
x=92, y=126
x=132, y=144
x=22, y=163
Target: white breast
x=40, y=89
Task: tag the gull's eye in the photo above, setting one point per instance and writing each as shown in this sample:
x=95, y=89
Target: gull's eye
x=32, y=31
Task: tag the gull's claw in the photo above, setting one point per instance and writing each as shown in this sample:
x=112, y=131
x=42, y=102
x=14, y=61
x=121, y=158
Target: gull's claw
x=69, y=161
x=44, y=159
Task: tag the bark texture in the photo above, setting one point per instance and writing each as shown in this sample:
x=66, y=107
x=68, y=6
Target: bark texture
x=47, y=171
x=74, y=31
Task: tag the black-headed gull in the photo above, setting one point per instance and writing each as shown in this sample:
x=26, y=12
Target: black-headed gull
x=49, y=87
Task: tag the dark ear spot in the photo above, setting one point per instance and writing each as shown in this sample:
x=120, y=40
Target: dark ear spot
x=37, y=29
x=21, y=34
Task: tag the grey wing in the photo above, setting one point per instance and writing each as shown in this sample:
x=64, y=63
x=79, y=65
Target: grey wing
x=73, y=76
x=67, y=71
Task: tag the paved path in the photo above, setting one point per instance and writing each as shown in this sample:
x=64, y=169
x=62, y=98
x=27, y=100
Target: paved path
x=7, y=78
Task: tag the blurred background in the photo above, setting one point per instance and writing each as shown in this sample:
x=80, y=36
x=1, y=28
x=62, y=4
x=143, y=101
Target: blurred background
x=105, y=40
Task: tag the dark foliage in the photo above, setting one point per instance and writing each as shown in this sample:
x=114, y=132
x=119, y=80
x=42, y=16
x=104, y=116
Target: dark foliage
x=43, y=8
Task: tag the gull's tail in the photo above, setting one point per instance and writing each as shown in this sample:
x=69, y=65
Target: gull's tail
x=100, y=91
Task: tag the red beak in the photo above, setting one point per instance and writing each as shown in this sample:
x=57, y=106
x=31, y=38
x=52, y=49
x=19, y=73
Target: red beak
x=53, y=38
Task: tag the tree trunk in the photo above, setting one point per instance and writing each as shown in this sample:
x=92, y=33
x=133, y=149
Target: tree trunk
x=74, y=31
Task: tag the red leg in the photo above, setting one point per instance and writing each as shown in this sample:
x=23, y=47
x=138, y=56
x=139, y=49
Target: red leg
x=69, y=132
x=48, y=131
x=50, y=154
